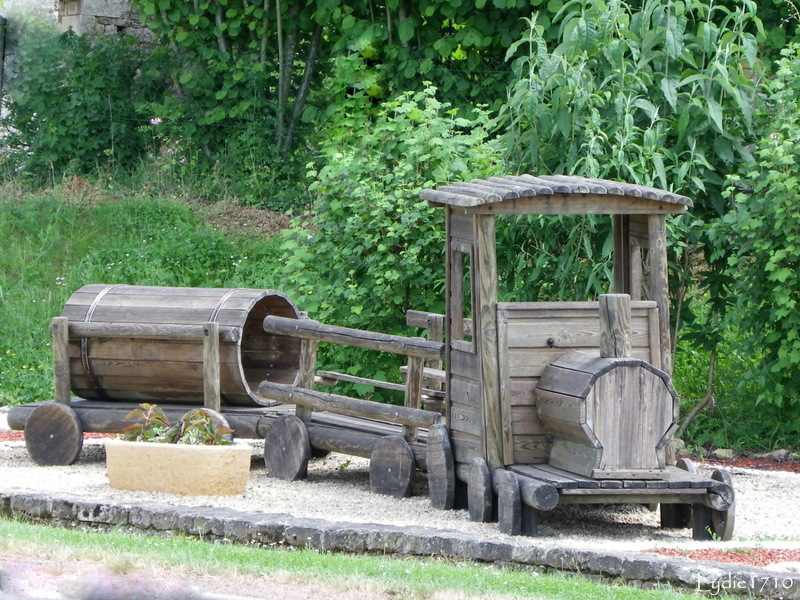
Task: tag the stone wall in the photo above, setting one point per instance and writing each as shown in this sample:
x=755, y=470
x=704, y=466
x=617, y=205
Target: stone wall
x=101, y=17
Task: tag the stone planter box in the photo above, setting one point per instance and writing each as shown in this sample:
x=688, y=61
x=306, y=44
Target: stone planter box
x=178, y=468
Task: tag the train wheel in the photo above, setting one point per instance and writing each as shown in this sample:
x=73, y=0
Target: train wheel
x=392, y=467
x=287, y=449
x=723, y=521
x=480, y=495
x=441, y=468
x=53, y=435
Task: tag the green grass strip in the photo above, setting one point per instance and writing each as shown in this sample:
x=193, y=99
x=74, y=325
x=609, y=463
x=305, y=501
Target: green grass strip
x=404, y=576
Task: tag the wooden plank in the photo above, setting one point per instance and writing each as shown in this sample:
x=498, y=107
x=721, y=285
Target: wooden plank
x=556, y=479
x=574, y=308
x=136, y=351
x=306, y=374
x=615, y=325
x=465, y=446
x=485, y=274
x=574, y=457
x=659, y=289
x=569, y=333
x=531, y=448
x=621, y=269
x=465, y=418
x=655, y=339
x=569, y=204
x=530, y=363
x=506, y=414
x=60, y=337
x=145, y=331
x=211, y=367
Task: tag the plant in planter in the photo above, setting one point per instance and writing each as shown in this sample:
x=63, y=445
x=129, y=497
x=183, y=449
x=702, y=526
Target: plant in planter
x=199, y=427
x=195, y=456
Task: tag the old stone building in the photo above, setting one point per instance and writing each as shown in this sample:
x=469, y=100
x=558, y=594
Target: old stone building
x=106, y=17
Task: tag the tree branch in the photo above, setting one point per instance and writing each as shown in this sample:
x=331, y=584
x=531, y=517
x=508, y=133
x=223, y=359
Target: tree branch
x=709, y=397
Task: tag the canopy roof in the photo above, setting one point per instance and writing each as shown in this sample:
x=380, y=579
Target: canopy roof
x=555, y=194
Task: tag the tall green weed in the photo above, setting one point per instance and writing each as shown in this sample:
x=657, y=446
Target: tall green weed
x=54, y=246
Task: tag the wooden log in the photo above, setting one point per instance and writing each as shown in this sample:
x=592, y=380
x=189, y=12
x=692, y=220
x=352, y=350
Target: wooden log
x=413, y=392
x=530, y=521
x=355, y=338
x=287, y=449
x=441, y=468
x=59, y=331
x=537, y=494
x=701, y=523
x=53, y=435
x=480, y=493
x=149, y=331
x=306, y=373
x=615, y=325
x=332, y=439
x=509, y=502
x=392, y=469
x=211, y=379
x=412, y=417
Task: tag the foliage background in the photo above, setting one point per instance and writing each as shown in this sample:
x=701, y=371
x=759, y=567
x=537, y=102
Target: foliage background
x=340, y=113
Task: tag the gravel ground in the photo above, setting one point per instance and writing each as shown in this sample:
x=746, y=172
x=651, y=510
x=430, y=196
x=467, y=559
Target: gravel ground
x=337, y=489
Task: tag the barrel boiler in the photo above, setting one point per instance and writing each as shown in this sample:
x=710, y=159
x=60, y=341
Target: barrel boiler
x=169, y=368
x=610, y=418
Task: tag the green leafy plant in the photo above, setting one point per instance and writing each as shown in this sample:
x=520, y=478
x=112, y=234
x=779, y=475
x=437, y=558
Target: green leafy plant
x=765, y=221
x=657, y=93
x=72, y=102
x=196, y=427
x=371, y=249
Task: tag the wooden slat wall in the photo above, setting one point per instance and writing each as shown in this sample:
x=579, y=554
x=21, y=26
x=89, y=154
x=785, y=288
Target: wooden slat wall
x=525, y=329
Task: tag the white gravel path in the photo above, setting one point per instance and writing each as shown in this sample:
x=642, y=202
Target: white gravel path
x=337, y=489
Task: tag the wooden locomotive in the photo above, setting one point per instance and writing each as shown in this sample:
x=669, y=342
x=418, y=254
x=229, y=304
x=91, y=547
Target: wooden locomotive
x=521, y=407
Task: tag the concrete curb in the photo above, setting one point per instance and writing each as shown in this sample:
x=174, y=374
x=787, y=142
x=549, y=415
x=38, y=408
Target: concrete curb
x=648, y=570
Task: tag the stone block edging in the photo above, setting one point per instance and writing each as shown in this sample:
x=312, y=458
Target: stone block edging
x=645, y=569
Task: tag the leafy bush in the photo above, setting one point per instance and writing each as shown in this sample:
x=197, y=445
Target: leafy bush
x=372, y=249
x=766, y=224
x=657, y=95
x=72, y=103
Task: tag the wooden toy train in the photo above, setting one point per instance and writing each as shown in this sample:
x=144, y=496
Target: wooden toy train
x=521, y=407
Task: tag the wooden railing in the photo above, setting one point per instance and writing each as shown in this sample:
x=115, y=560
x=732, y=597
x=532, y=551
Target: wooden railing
x=418, y=350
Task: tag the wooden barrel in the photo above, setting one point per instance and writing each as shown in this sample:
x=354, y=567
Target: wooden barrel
x=171, y=370
x=610, y=418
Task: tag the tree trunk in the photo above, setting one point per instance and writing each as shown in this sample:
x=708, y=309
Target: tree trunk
x=305, y=85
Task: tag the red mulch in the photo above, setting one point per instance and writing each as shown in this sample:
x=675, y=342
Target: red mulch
x=761, y=464
x=754, y=557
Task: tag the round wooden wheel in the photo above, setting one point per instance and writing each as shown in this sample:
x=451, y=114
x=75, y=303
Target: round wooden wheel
x=287, y=449
x=723, y=521
x=392, y=468
x=441, y=468
x=678, y=516
x=509, y=503
x=53, y=435
x=480, y=496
